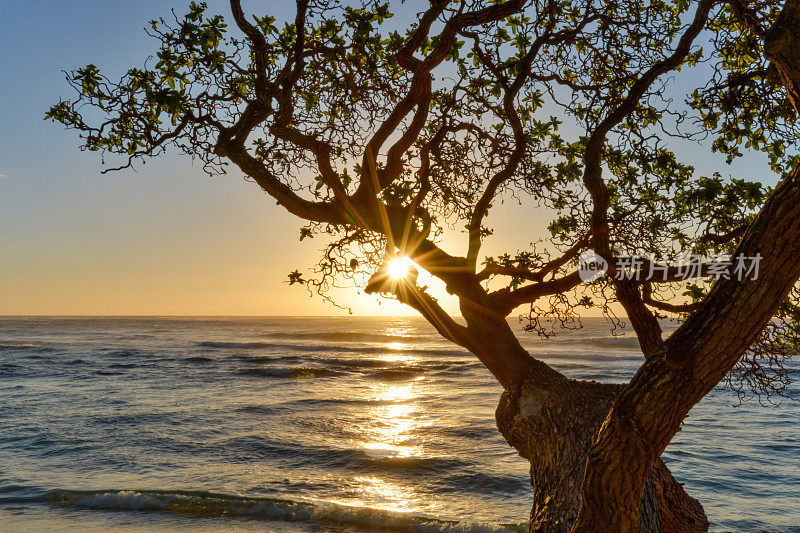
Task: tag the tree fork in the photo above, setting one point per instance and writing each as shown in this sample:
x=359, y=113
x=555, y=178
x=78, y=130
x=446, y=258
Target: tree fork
x=553, y=429
x=551, y=421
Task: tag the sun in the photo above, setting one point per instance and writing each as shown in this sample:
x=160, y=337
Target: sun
x=399, y=268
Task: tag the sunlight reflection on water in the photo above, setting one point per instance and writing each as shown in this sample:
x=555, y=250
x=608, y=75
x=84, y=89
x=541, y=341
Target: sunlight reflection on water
x=387, y=495
x=394, y=424
x=396, y=346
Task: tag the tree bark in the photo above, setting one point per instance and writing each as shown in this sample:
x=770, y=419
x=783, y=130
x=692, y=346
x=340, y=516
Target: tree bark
x=553, y=429
x=551, y=421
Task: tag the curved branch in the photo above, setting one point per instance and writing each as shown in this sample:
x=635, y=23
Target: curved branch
x=647, y=297
x=506, y=300
x=283, y=194
x=520, y=142
x=260, y=49
x=592, y=175
x=537, y=275
x=419, y=93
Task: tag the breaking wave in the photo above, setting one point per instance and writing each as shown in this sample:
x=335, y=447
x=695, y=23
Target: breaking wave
x=221, y=505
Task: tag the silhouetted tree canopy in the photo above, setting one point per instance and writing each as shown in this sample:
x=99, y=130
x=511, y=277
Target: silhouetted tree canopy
x=383, y=135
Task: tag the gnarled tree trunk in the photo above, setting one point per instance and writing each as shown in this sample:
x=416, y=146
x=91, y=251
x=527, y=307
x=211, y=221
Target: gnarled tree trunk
x=551, y=421
x=553, y=429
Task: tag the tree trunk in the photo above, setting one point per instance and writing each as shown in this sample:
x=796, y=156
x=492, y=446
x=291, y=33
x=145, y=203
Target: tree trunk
x=551, y=421
x=553, y=429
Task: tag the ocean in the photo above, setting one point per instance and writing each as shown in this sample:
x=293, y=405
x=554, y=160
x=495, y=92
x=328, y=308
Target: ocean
x=320, y=424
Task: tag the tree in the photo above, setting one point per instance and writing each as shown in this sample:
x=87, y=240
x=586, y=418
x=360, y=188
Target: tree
x=382, y=138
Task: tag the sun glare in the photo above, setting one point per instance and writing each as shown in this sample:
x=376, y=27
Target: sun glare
x=398, y=268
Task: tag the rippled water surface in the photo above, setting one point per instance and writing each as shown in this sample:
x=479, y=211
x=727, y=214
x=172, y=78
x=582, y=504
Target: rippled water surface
x=319, y=424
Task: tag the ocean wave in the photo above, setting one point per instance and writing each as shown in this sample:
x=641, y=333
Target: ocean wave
x=8, y=369
x=428, y=364
x=123, y=365
x=13, y=494
x=197, y=359
x=355, y=364
x=115, y=352
x=373, y=368
x=23, y=346
x=291, y=372
x=341, y=336
x=222, y=505
x=269, y=410
x=107, y=373
x=397, y=374
x=469, y=431
x=297, y=454
x=225, y=345
x=482, y=482
x=611, y=341
x=368, y=402
x=582, y=343
x=236, y=345
x=268, y=358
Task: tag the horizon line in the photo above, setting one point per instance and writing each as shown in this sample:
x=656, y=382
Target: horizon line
x=7, y=316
